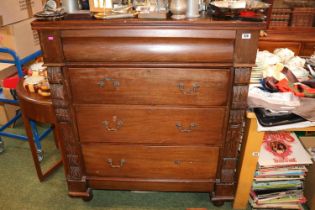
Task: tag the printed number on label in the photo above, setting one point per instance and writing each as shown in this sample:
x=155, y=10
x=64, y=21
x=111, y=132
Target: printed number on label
x=246, y=36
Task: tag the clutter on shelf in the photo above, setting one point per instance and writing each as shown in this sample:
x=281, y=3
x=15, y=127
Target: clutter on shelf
x=282, y=92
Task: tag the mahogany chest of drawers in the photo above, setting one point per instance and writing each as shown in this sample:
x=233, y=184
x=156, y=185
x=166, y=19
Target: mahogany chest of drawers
x=150, y=105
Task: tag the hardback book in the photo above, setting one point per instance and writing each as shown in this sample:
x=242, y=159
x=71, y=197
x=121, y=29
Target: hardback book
x=289, y=196
x=278, y=178
x=281, y=185
x=282, y=148
x=275, y=205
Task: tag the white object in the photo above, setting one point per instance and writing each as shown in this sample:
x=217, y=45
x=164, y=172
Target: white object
x=284, y=127
x=300, y=73
x=285, y=54
x=291, y=153
x=246, y=36
x=192, y=9
x=296, y=62
x=286, y=99
x=266, y=58
x=238, y=4
x=108, y=4
x=70, y=6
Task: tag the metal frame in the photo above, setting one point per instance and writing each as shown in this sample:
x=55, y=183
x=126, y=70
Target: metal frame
x=37, y=137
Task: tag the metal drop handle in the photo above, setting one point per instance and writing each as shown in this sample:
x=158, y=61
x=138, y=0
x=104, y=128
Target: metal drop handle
x=181, y=128
x=117, y=123
x=110, y=163
x=102, y=82
x=193, y=90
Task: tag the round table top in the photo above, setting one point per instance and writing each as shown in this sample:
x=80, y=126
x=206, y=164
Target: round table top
x=35, y=98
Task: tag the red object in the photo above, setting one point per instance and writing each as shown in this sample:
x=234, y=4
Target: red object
x=298, y=89
x=11, y=82
x=247, y=14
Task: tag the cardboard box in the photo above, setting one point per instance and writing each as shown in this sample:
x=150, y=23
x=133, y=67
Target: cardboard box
x=12, y=11
x=19, y=37
x=6, y=70
x=7, y=111
x=309, y=141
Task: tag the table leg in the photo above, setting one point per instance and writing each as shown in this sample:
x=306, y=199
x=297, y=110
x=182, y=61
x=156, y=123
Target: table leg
x=247, y=164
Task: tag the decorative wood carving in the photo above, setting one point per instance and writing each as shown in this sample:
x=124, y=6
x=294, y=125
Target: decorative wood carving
x=242, y=75
x=62, y=110
x=55, y=75
x=227, y=175
x=232, y=141
x=57, y=91
x=229, y=163
x=239, y=97
x=237, y=116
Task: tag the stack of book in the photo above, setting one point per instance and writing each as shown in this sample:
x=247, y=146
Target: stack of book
x=279, y=178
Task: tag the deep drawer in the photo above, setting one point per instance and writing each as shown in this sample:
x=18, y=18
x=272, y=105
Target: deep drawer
x=154, y=162
x=149, y=124
x=150, y=86
x=152, y=45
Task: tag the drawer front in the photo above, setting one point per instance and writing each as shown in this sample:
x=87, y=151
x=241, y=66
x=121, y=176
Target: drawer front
x=148, y=49
x=154, y=162
x=150, y=124
x=307, y=49
x=151, y=86
x=271, y=46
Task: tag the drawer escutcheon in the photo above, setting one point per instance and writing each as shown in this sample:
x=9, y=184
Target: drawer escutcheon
x=115, y=83
x=181, y=128
x=193, y=90
x=110, y=163
x=117, y=122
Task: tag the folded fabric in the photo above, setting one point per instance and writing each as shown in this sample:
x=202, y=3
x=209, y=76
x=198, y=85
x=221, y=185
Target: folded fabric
x=306, y=109
x=299, y=89
x=274, y=101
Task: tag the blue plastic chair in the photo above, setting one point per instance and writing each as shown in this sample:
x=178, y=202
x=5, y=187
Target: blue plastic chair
x=37, y=137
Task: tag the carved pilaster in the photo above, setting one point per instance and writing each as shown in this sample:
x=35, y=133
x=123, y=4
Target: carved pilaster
x=242, y=75
x=240, y=93
x=237, y=116
x=70, y=143
x=234, y=135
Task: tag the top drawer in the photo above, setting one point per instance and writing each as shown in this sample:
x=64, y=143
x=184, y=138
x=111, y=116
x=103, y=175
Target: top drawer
x=160, y=45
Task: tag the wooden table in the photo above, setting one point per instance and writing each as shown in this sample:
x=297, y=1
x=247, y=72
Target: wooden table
x=248, y=161
x=40, y=109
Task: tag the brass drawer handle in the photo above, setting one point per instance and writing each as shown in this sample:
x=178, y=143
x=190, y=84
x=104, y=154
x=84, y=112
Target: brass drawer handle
x=110, y=163
x=117, y=123
x=102, y=82
x=180, y=127
x=193, y=90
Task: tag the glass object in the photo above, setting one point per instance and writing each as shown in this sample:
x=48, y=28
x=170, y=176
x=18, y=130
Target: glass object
x=178, y=9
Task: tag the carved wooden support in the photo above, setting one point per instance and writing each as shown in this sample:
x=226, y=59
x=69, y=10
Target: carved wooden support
x=55, y=75
x=237, y=116
x=229, y=163
x=235, y=129
x=227, y=175
x=242, y=75
x=70, y=143
x=240, y=97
